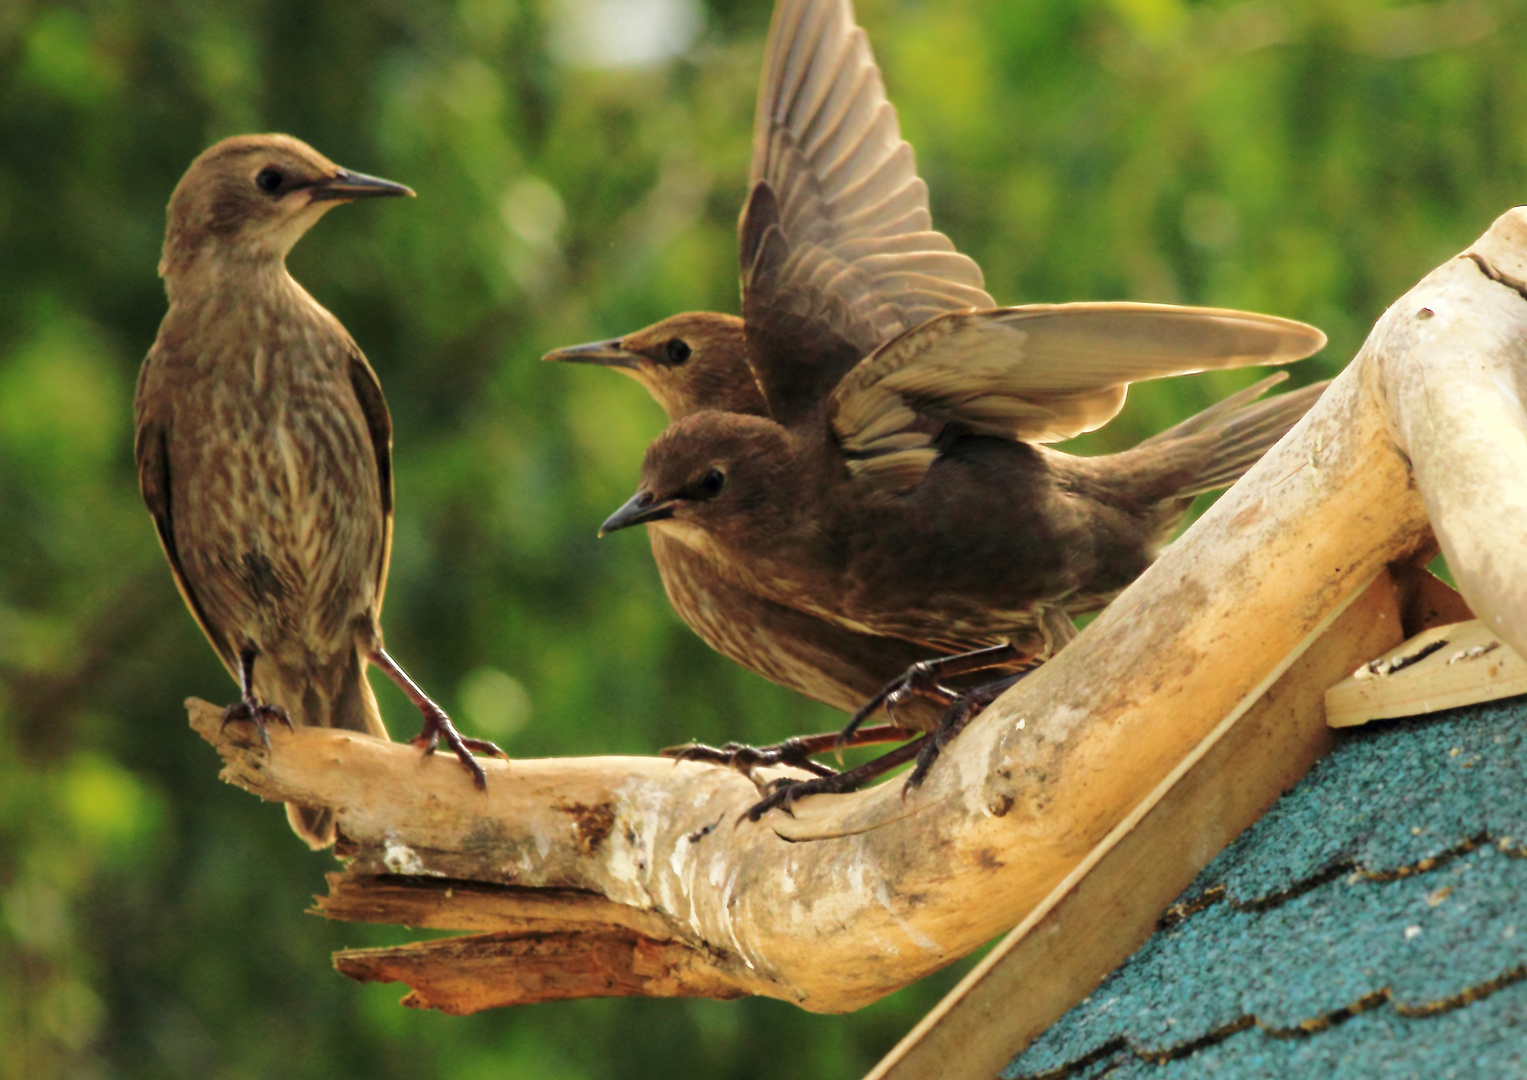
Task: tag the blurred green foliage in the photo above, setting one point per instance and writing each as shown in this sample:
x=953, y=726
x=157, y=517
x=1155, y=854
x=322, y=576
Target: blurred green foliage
x=1309, y=158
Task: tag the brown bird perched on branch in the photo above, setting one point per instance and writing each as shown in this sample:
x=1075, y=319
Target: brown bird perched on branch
x=973, y=539
x=264, y=451
x=839, y=259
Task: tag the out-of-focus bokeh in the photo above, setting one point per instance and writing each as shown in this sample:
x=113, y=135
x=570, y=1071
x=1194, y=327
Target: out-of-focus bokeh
x=579, y=165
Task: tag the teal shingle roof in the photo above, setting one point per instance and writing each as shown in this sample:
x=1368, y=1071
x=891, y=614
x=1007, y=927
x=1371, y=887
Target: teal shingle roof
x=1372, y=924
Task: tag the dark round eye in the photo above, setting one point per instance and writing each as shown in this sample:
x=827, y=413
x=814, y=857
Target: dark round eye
x=678, y=351
x=711, y=484
x=269, y=180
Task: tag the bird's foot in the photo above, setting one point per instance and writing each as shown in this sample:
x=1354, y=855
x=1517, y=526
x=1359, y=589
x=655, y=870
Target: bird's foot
x=748, y=759
x=784, y=793
x=965, y=707
x=438, y=726
x=259, y=714
x=922, y=679
x=795, y=752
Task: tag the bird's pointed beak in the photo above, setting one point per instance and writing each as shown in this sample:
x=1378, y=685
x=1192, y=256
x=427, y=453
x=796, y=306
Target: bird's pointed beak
x=605, y=353
x=639, y=509
x=346, y=185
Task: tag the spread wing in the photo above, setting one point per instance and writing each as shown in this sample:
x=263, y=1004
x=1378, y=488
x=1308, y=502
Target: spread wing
x=368, y=392
x=152, y=450
x=838, y=250
x=1038, y=373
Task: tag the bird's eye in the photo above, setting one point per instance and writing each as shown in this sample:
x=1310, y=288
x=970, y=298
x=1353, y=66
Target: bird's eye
x=711, y=483
x=269, y=180
x=678, y=351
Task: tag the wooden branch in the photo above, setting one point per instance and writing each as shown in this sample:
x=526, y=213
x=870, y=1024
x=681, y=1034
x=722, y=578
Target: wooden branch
x=627, y=875
x=1452, y=368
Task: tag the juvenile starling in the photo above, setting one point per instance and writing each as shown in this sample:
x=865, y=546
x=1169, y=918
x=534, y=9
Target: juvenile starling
x=964, y=534
x=839, y=259
x=264, y=452
x=699, y=361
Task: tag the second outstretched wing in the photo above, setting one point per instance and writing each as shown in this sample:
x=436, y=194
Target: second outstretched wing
x=1039, y=373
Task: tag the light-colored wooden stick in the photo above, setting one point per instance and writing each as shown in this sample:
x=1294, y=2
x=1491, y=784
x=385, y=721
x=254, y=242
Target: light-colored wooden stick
x=1451, y=364
x=858, y=895
x=976, y=1030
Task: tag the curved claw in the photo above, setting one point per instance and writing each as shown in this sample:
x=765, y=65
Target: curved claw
x=785, y=793
x=258, y=714
x=438, y=726
x=920, y=678
x=744, y=757
x=923, y=677
x=959, y=714
x=781, y=793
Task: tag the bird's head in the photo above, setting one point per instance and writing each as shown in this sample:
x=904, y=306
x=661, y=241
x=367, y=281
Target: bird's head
x=713, y=478
x=689, y=362
x=251, y=197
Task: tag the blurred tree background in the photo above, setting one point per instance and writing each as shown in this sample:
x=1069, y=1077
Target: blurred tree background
x=579, y=165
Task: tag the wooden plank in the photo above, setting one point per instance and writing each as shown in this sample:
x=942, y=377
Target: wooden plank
x=1444, y=667
x=1109, y=905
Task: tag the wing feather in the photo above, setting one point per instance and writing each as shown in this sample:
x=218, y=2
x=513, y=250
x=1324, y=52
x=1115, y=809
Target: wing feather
x=1039, y=373
x=152, y=450
x=833, y=176
x=368, y=393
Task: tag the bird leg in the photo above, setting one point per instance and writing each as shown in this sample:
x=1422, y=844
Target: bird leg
x=250, y=708
x=923, y=678
x=785, y=792
x=437, y=725
x=795, y=751
x=954, y=721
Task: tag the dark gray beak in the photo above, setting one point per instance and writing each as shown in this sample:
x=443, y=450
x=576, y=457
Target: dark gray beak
x=346, y=185
x=605, y=353
x=639, y=509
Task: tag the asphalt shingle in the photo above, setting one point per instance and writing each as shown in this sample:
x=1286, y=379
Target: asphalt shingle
x=1383, y=899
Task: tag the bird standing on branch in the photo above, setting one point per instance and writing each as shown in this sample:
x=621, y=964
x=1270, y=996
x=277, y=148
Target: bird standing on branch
x=264, y=451
x=971, y=539
x=839, y=263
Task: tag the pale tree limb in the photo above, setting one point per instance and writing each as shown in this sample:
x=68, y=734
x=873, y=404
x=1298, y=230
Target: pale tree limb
x=1452, y=369
x=627, y=875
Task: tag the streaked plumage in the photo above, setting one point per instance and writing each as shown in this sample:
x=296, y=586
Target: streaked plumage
x=264, y=446
x=970, y=543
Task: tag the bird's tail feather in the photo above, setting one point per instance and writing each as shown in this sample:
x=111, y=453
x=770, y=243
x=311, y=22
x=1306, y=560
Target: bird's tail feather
x=1217, y=412
x=1210, y=450
x=1245, y=437
x=351, y=706
x=1229, y=436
